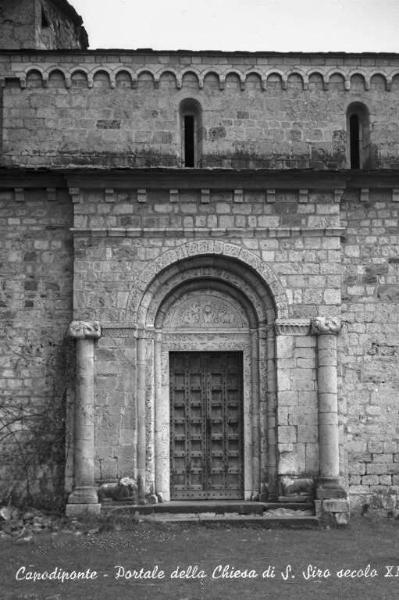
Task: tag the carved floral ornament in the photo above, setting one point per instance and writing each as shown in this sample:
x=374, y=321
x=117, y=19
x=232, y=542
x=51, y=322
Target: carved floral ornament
x=84, y=330
x=326, y=326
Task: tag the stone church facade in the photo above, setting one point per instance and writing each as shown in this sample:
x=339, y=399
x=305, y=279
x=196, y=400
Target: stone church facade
x=199, y=256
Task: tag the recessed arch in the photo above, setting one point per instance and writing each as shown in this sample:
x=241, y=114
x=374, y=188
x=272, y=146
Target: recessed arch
x=316, y=81
x=358, y=128
x=254, y=80
x=34, y=78
x=234, y=259
x=168, y=79
x=378, y=81
x=79, y=79
x=190, y=112
x=337, y=81
x=56, y=79
x=212, y=80
x=191, y=79
x=198, y=284
x=275, y=81
x=101, y=79
x=123, y=79
x=202, y=297
x=146, y=79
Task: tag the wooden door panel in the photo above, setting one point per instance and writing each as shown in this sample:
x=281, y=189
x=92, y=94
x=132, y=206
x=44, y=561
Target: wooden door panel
x=206, y=425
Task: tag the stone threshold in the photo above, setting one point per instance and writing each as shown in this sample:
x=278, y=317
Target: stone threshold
x=267, y=514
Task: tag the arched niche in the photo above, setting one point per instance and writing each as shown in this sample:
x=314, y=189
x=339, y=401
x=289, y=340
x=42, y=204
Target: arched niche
x=206, y=304
x=190, y=111
x=358, y=128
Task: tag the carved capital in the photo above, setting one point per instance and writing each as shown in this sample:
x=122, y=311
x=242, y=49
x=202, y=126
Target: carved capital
x=292, y=326
x=84, y=330
x=326, y=326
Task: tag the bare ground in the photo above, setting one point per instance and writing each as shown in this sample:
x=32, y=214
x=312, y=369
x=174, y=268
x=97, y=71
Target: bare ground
x=140, y=545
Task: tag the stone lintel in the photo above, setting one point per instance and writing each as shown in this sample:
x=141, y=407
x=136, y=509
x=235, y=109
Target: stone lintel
x=292, y=326
x=84, y=330
x=325, y=326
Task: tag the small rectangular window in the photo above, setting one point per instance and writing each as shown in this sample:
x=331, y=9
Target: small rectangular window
x=189, y=140
x=354, y=131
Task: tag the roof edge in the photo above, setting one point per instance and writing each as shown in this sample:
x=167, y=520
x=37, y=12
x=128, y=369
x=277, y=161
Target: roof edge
x=248, y=53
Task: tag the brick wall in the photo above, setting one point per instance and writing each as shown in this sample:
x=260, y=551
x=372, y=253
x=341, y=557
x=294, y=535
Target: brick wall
x=288, y=234
x=105, y=109
x=307, y=263
x=120, y=231
x=35, y=309
x=369, y=344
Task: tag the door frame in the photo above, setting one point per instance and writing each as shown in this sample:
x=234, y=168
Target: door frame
x=235, y=341
x=237, y=361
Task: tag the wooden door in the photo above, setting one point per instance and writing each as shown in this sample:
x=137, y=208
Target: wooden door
x=206, y=425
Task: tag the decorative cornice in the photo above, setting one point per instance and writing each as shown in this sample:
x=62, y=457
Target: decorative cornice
x=201, y=232
x=84, y=330
x=292, y=326
x=269, y=181
x=326, y=326
x=130, y=73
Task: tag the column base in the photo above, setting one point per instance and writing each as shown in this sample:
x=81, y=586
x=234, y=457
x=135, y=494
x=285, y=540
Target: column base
x=76, y=510
x=83, y=500
x=327, y=487
x=83, y=495
x=332, y=504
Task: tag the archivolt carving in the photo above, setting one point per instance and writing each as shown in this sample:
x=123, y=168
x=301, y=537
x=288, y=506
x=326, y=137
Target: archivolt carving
x=211, y=247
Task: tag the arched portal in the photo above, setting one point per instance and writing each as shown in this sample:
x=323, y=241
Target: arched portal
x=206, y=380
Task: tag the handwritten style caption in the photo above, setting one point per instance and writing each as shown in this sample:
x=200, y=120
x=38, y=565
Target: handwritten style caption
x=219, y=572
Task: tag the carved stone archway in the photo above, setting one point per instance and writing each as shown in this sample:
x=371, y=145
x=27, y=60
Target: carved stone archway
x=241, y=313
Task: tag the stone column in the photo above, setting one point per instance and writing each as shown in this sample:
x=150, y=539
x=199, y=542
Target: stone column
x=326, y=329
x=141, y=432
x=84, y=496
